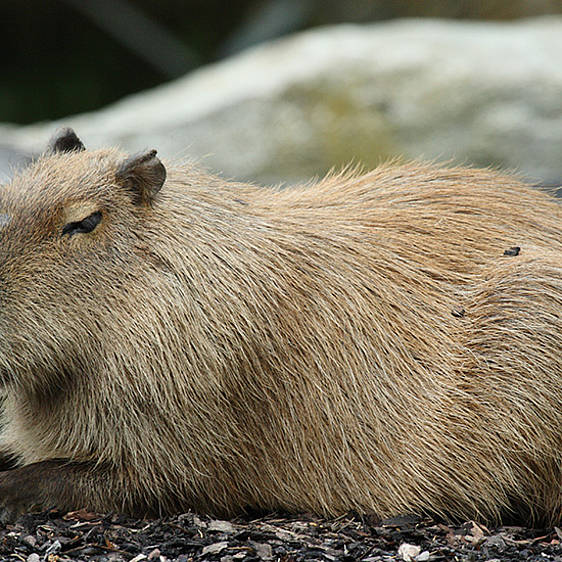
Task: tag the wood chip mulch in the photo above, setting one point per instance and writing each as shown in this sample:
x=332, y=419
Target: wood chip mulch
x=57, y=537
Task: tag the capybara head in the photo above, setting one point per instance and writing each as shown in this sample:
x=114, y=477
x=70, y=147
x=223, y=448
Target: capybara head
x=69, y=248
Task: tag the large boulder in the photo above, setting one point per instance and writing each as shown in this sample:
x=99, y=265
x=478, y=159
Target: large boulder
x=481, y=93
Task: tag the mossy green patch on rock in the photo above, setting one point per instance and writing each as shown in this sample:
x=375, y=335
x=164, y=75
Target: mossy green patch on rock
x=323, y=125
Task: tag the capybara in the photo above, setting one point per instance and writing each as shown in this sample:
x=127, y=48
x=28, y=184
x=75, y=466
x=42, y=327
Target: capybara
x=386, y=342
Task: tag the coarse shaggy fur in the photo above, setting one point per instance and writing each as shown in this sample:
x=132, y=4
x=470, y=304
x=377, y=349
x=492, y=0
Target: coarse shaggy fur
x=362, y=343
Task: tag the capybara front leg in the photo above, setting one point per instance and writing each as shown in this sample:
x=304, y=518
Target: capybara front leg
x=62, y=484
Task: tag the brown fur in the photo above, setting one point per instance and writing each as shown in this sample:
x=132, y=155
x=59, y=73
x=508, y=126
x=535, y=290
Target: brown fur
x=359, y=344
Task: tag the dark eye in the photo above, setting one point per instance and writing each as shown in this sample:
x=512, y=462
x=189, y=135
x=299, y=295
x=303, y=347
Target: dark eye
x=86, y=225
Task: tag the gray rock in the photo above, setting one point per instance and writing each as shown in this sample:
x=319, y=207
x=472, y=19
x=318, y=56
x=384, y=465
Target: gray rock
x=12, y=159
x=474, y=92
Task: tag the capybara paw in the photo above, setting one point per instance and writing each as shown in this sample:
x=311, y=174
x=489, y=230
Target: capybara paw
x=9, y=514
x=15, y=498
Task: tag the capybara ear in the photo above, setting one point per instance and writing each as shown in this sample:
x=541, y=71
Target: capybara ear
x=64, y=140
x=143, y=174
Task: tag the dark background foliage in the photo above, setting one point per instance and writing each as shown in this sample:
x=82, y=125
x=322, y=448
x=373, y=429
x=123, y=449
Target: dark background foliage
x=69, y=56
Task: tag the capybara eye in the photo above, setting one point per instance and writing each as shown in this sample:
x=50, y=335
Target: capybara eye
x=85, y=225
